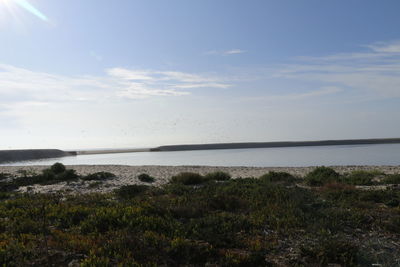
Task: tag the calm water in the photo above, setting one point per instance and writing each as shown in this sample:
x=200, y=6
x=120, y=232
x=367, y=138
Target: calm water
x=387, y=154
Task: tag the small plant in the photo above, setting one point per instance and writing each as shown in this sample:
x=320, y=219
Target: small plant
x=4, y=176
x=392, y=179
x=146, y=178
x=98, y=176
x=330, y=249
x=322, y=175
x=130, y=191
x=278, y=177
x=188, y=178
x=57, y=168
x=26, y=173
x=361, y=177
x=94, y=184
x=218, y=176
x=67, y=175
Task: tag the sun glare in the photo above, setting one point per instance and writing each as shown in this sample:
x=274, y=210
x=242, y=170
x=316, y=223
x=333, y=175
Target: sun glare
x=11, y=5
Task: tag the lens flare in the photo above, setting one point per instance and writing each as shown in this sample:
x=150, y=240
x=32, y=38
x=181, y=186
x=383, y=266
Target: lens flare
x=31, y=9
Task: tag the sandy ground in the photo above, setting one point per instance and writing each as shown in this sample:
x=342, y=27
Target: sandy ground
x=128, y=175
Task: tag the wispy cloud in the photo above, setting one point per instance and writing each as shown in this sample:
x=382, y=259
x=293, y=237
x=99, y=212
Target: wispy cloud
x=171, y=80
x=18, y=85
x=226, y=52
x=234, y=51
x=386, y=47
x=372, y=73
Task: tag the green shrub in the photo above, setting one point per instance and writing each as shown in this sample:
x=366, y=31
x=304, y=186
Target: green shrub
x=393, y=224
x=26, y=173
x=4, y=176
x=321, y=175
x=392, y=179
x=57, y=168
x=46, y=177
x=218, y=176
x=177, y=189
x=226, y=202
x=146, y=178
x=185, y=251
x=278, y=177
x=387, y=197
x=98, y=176
x=330, y=249
x=67, y=175
x=188, y=178
x=4, y=194
x=130, y=191
x=361, y=177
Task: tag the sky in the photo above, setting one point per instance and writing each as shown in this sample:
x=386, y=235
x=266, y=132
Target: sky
x=112, y=74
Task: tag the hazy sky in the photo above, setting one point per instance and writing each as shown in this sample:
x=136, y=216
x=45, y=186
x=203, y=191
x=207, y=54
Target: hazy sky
x=126, y=73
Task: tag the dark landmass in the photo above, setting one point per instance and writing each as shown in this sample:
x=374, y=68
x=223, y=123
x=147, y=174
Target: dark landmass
x=276, y=144
x=32, y=154
x=112, y=151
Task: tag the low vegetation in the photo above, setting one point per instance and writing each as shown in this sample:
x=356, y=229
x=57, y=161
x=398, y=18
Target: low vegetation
x=279, y=177
x=218, y=176
x=145, y=178
x=271, y=221
x=322, y=175
x=98, y=176
x=391, y=179
x=188, y=178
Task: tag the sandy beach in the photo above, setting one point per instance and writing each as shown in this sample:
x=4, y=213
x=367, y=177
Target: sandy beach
x=126, y=175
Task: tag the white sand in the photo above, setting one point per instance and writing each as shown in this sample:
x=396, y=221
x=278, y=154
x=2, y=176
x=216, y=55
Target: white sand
x=127, y=175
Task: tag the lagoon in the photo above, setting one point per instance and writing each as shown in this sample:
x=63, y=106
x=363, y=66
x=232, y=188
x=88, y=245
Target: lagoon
x=377, y=154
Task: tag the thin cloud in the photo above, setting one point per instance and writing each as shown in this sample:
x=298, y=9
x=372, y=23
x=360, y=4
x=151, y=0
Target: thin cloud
x=234, y=52
x=225, y=52
x=18, y=85
x=171, y=80
x=386, y=47
x=375, y=72
x=324, y=91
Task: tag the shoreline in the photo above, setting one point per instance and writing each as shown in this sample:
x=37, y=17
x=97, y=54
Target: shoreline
x=372, y=141
x=34, y=154
x=128, y=175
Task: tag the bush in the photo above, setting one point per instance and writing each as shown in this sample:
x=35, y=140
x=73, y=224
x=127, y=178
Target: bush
x=392, y=179
x=186, y=252
x=57, y=168
x=4, y=176
x=188, y=178
x=98, y=176
x=130, y=191
x=280, y=177
x=322, y=175
x=48, y=176
x=218, y=176
x=67, y=175
x=361, y=177
x=330, y=249
x=146, y=178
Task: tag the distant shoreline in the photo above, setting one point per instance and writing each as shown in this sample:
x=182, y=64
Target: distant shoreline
x=34, y=154
x=277, y=144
